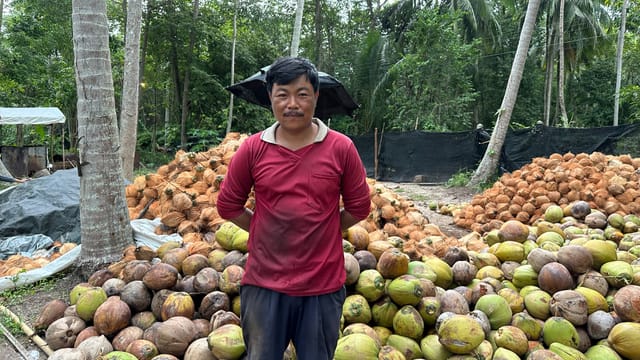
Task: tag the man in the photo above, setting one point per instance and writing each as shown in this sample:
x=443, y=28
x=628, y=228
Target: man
x=293, y=285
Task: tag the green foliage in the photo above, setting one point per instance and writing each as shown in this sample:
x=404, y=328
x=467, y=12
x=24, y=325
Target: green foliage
x=459, y=179
x=432, y=87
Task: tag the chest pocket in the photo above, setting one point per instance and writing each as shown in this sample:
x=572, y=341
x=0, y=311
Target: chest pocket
x=324, y=190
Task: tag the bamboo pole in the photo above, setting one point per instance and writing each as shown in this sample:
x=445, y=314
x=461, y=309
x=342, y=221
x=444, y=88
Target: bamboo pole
x=28, y=331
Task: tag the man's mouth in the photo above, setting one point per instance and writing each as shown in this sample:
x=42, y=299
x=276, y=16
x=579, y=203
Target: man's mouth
x=293, y=113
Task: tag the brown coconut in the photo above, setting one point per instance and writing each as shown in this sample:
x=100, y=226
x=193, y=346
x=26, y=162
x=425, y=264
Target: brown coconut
x=95, y=346
x=62, y=333
x=577, y=259
x=143, y=319
x=174, y=335
x=554, y=277
x=212, y=302
x=100, y=276
x=230, y=279
x=85, y=334
x=113, y=286
x=223, y=317
x=125, y=337
x=626, y=303
x=175, y=257
x=136, y=295
x=393, y=263
x=199, y=350
x=206, y=280
x=135, y=270
x=158, y=299
x=161, y=276
x=52, y=311
x=112, y=316
x=194, y=263
x=142, y=349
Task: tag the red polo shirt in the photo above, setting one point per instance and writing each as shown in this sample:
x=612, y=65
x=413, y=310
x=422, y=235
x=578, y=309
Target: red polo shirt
x=295, y=241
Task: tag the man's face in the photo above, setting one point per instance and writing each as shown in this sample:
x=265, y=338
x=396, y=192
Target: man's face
x=293, y=104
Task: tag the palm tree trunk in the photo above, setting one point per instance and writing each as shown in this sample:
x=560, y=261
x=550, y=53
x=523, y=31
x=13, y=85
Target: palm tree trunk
x=491, y=158
x=548, y=76
x=561, y=103
x=1, y=11
x=233, y=62
x=130, y=88
x=318, y=34
x=187, y=75
x=297, y=28
x=623, y=20
x=104, y=217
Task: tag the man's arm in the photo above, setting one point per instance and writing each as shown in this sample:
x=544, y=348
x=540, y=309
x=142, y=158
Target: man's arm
x=346, y=220
x=244, y=220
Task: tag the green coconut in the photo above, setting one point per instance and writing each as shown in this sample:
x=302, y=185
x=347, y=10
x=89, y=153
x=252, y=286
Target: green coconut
x=567, y=352
x=432, y=349
x=504, y=354
x=420, y=270
x=601, y=251
x=78, y=290
x=89, y=301
x=118, y=355
x=408, y=322
x=531, y=327
x=390, y=353
x=361, y=328
x=537, y=304
x=356, y=309
x=623, y=338
x=557, y=329
x=383, y=311
x=356, y=346
x=524, y=275
x=512, y=338
x=595, y=300
x=407, y=346
x=553, y=214
x=429, y=309
x=460, y=334
x=405, y=290
x=444, y=274
x=509, y=251
x=370, y=284
x=496, y=308
x=618, y=273
x=383, y=333
x=226, y=342
x=601, y=352
x=483, y=351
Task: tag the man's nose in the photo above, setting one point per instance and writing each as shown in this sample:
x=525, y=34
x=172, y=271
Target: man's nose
x=292, y=102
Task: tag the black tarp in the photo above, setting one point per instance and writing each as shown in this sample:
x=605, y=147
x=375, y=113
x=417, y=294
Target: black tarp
x=435, y=157
x=47, y=205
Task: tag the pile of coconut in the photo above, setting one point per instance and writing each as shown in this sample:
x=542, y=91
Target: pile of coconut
x=607, y=183
x=183, y=194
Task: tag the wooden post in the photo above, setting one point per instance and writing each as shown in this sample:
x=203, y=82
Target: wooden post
x=375, y=154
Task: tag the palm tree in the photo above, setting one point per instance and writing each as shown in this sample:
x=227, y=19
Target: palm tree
x=491, y=158
x=620, y=47
x=583, y=24
x=104, y=216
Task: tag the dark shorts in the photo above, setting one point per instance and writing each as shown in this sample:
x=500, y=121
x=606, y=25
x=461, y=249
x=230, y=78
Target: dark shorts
x=271, y=319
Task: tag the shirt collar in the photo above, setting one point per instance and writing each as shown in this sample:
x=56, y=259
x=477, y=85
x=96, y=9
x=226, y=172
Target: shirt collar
x=269, y=134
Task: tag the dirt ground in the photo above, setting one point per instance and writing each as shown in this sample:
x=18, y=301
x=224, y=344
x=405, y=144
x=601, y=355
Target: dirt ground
x=28, y=303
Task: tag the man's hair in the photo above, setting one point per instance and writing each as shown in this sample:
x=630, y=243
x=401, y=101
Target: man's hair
x=286, y=69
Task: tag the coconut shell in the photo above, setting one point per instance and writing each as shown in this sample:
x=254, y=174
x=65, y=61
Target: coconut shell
x=177, y=304
x=174, y=335
x=112, y=316
x=125, y=337
x=62, y=332
x=142, y=349
x=52, y=311
x=160, y=276
x=212, y=302
x=554, y=277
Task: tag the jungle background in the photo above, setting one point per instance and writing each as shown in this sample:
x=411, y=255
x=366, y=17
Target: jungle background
x=410, y=64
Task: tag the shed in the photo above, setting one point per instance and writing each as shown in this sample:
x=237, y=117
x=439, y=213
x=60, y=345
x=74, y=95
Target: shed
x=24, y=160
